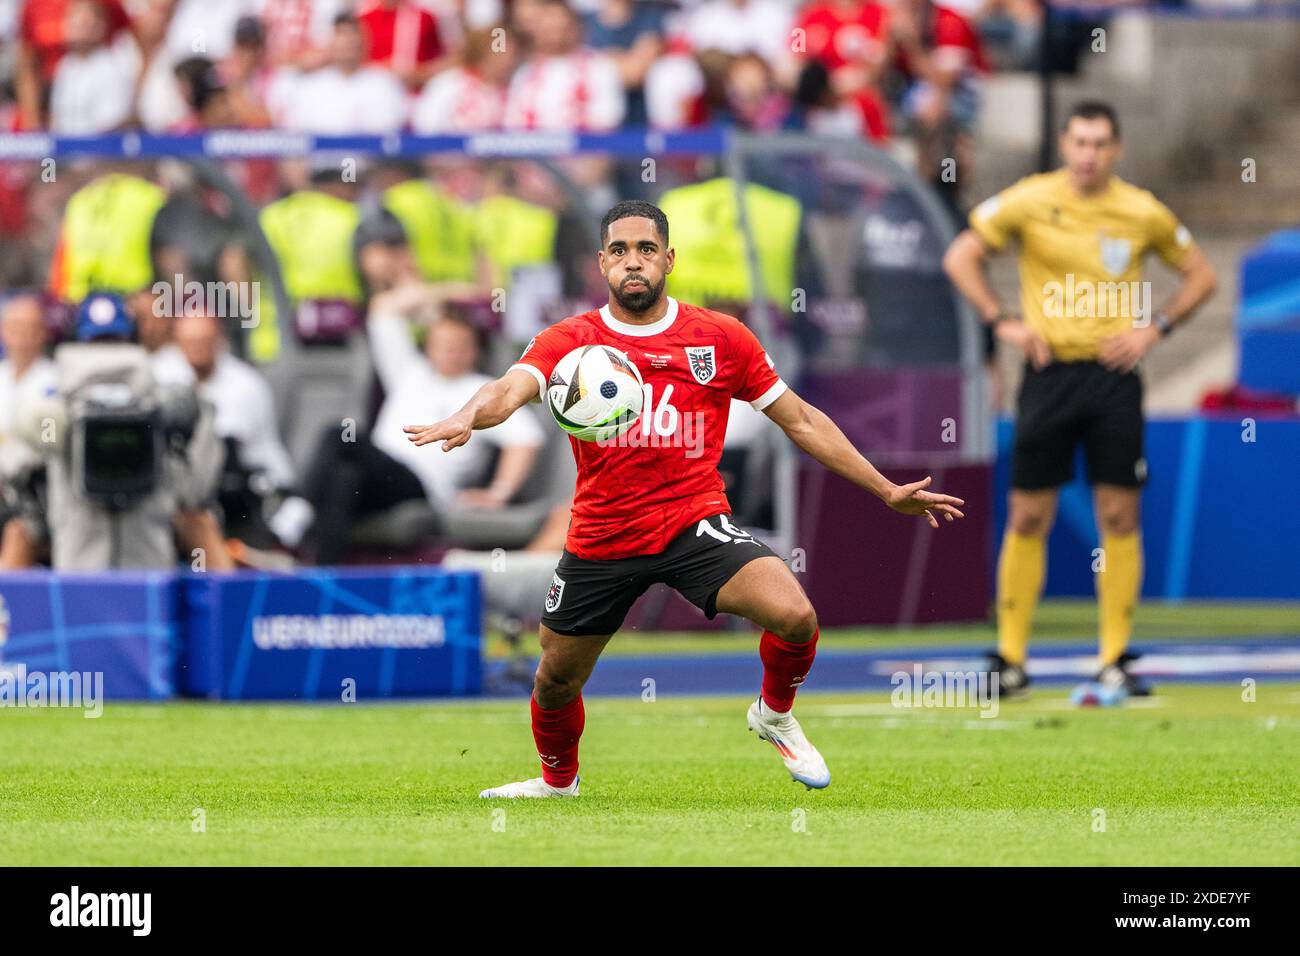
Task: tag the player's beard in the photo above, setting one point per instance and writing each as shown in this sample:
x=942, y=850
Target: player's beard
x=640, y=301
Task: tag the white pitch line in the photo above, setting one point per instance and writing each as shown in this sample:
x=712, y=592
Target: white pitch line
x=1139, y=703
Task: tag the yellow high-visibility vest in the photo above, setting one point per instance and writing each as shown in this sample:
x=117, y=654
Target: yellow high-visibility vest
x=104, y=244
x=514, y=233
x=711, y=263
x=311, y=234
x=439, y=229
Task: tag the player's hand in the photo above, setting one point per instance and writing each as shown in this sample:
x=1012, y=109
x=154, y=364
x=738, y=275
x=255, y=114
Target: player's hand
x=1030, y=343
x=913, y=499
x=1120, y=353
x=452, y=432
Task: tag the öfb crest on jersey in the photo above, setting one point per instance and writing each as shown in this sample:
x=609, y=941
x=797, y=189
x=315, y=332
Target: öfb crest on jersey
x=702, y=365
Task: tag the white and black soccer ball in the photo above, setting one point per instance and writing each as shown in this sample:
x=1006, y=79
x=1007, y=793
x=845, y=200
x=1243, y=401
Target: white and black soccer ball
x=595, y=393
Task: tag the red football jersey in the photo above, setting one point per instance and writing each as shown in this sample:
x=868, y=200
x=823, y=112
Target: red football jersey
x=636, y=493
x=838, y=37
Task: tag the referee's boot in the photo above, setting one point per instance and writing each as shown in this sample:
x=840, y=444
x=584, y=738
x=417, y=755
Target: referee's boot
x=1117, y=675
x=1012, y=679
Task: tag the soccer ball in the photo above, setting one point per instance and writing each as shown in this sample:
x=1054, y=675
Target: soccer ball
x=595, y=393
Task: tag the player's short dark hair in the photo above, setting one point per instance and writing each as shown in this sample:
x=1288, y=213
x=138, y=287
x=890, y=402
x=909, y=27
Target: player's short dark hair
x=634, y=209
x=1091, y=110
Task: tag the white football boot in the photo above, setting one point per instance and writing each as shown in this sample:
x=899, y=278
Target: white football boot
x=784, y=733
x=537, y=787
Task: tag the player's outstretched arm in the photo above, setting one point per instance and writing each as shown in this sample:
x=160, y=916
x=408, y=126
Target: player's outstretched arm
x=491, y=405
x=813, y=431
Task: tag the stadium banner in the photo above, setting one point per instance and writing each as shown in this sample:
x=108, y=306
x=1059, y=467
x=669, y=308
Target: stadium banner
x=1204, y=476
x=106, y=637
x=242, y=144
x=329, y=634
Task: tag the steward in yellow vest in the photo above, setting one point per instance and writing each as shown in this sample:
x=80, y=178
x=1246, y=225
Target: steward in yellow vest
x=311, y=233
x=104, y=243
x=712, y=264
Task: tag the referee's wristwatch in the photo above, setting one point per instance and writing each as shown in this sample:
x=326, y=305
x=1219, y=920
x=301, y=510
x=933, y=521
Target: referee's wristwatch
x=1163, y=324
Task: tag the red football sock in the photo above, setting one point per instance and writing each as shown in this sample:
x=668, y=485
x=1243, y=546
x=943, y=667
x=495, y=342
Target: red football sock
x=785, y=665
x=557, y=733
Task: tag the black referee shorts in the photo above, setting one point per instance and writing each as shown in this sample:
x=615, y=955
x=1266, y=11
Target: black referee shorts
x=593, y=597
x=1073, y=403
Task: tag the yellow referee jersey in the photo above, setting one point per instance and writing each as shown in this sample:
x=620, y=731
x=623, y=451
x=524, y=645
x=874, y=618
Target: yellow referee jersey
x=1081, y=256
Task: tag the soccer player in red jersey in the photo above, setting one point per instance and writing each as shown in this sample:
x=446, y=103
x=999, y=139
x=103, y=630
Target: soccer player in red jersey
x=650, y=506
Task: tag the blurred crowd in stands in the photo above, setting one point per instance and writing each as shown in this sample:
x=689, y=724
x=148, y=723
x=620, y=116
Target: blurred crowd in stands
x=81, y=67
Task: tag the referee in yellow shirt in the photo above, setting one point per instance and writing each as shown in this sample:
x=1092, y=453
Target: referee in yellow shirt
x=1085, y=322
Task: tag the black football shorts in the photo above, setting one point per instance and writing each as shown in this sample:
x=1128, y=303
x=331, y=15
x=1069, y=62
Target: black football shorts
x=592, y=597
x=1069, y=404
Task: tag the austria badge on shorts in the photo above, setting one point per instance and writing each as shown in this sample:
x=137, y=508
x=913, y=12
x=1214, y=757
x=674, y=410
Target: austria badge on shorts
x=700, y=360
x=555, y=594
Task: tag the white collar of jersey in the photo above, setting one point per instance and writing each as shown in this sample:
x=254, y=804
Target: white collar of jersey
x=654, y=328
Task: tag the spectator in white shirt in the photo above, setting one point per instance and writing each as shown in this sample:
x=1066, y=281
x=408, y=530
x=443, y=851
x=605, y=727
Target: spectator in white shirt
x=298, y=32
x=94, y=84
x=26, y=375
x=564, y=85
x=372, y=473
x=345, y=96
x=258, y=472
x=469, y=98
x=742, y=26
x=25, y=372
x=240, y=396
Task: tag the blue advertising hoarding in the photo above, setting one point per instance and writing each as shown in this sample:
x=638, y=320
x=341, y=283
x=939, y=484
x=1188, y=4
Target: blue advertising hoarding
x=123, y=626
x=1202, y=534
x=320, y=634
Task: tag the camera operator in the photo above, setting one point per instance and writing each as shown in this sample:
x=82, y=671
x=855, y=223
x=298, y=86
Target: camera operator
x=131, y=464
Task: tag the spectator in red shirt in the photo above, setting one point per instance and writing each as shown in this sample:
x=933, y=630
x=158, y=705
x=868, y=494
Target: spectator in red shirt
x=849, y=37
x=42, y=41
x=403, y=37
x=938, y=60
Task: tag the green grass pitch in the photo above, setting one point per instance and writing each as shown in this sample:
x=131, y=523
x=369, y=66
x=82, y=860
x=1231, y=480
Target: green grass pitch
x=1196, y=777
